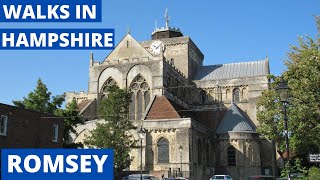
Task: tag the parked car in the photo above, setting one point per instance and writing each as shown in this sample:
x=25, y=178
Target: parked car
x=218, y=177
x=137, y=177
x=261, y=177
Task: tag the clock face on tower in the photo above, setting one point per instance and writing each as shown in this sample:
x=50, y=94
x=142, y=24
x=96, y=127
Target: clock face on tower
x=157, y=47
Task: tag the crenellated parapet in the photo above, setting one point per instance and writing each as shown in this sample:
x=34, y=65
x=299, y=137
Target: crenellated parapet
x=175, y=68
x=129, y=60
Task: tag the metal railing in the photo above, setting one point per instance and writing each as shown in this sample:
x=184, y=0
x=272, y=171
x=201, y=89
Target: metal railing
x=177, y=173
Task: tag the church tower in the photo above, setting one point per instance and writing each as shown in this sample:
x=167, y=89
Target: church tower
x=166, y=32
x=179, y=50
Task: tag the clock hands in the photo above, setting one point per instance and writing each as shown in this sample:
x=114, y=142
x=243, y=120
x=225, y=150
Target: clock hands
x=159, y=45
x=156, y=47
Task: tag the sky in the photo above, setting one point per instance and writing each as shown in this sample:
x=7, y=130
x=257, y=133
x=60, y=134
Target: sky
x=225, y=31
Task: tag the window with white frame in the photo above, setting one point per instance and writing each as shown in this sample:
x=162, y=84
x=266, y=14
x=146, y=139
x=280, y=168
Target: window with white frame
x=3, y=125
x=55, y=133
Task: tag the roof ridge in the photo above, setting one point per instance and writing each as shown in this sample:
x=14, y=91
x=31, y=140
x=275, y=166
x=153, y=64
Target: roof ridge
x=232, y=70
x=244, y=62
x=128, y=36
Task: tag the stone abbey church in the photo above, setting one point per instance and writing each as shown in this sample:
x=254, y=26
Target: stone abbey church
x=208, y=111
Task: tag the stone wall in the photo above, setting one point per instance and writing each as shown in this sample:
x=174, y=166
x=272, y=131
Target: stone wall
x=220, y=91
x=248, y=161
x=202, y=146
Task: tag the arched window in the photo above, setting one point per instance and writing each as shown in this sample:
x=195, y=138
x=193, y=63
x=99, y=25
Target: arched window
x=244, y=93
x=109, y=82
x=219, y=94
x=163, y=150
x=236, y=95
x=203, y=97
x=231, y=152
x=212, y=95
x=250, y=154
x=228, y=94
x=140, y=97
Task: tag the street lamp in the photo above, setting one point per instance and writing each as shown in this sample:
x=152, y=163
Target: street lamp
x=141, y=133
x=180, y=150
x=283, y=91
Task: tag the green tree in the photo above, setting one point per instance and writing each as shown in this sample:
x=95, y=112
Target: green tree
x=114, y=132
x=71, y=120
x=303, y=110
x=40, y=100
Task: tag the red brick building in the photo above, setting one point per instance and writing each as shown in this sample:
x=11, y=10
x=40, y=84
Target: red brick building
x=23, y=128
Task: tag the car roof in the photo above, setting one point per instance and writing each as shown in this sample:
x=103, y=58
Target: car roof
x=139, y=175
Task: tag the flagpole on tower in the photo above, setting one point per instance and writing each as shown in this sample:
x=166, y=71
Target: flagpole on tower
x=167, y=18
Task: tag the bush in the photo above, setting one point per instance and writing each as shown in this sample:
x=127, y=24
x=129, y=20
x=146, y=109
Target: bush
x=314, y=173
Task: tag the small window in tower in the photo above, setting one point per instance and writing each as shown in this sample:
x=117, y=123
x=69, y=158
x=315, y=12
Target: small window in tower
x=127, y=44
x=172, y=61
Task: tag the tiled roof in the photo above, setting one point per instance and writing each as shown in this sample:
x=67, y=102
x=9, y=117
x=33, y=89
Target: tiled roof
x=235, y=121
x=81, y=106
x=164, y=108
x=233, y=70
